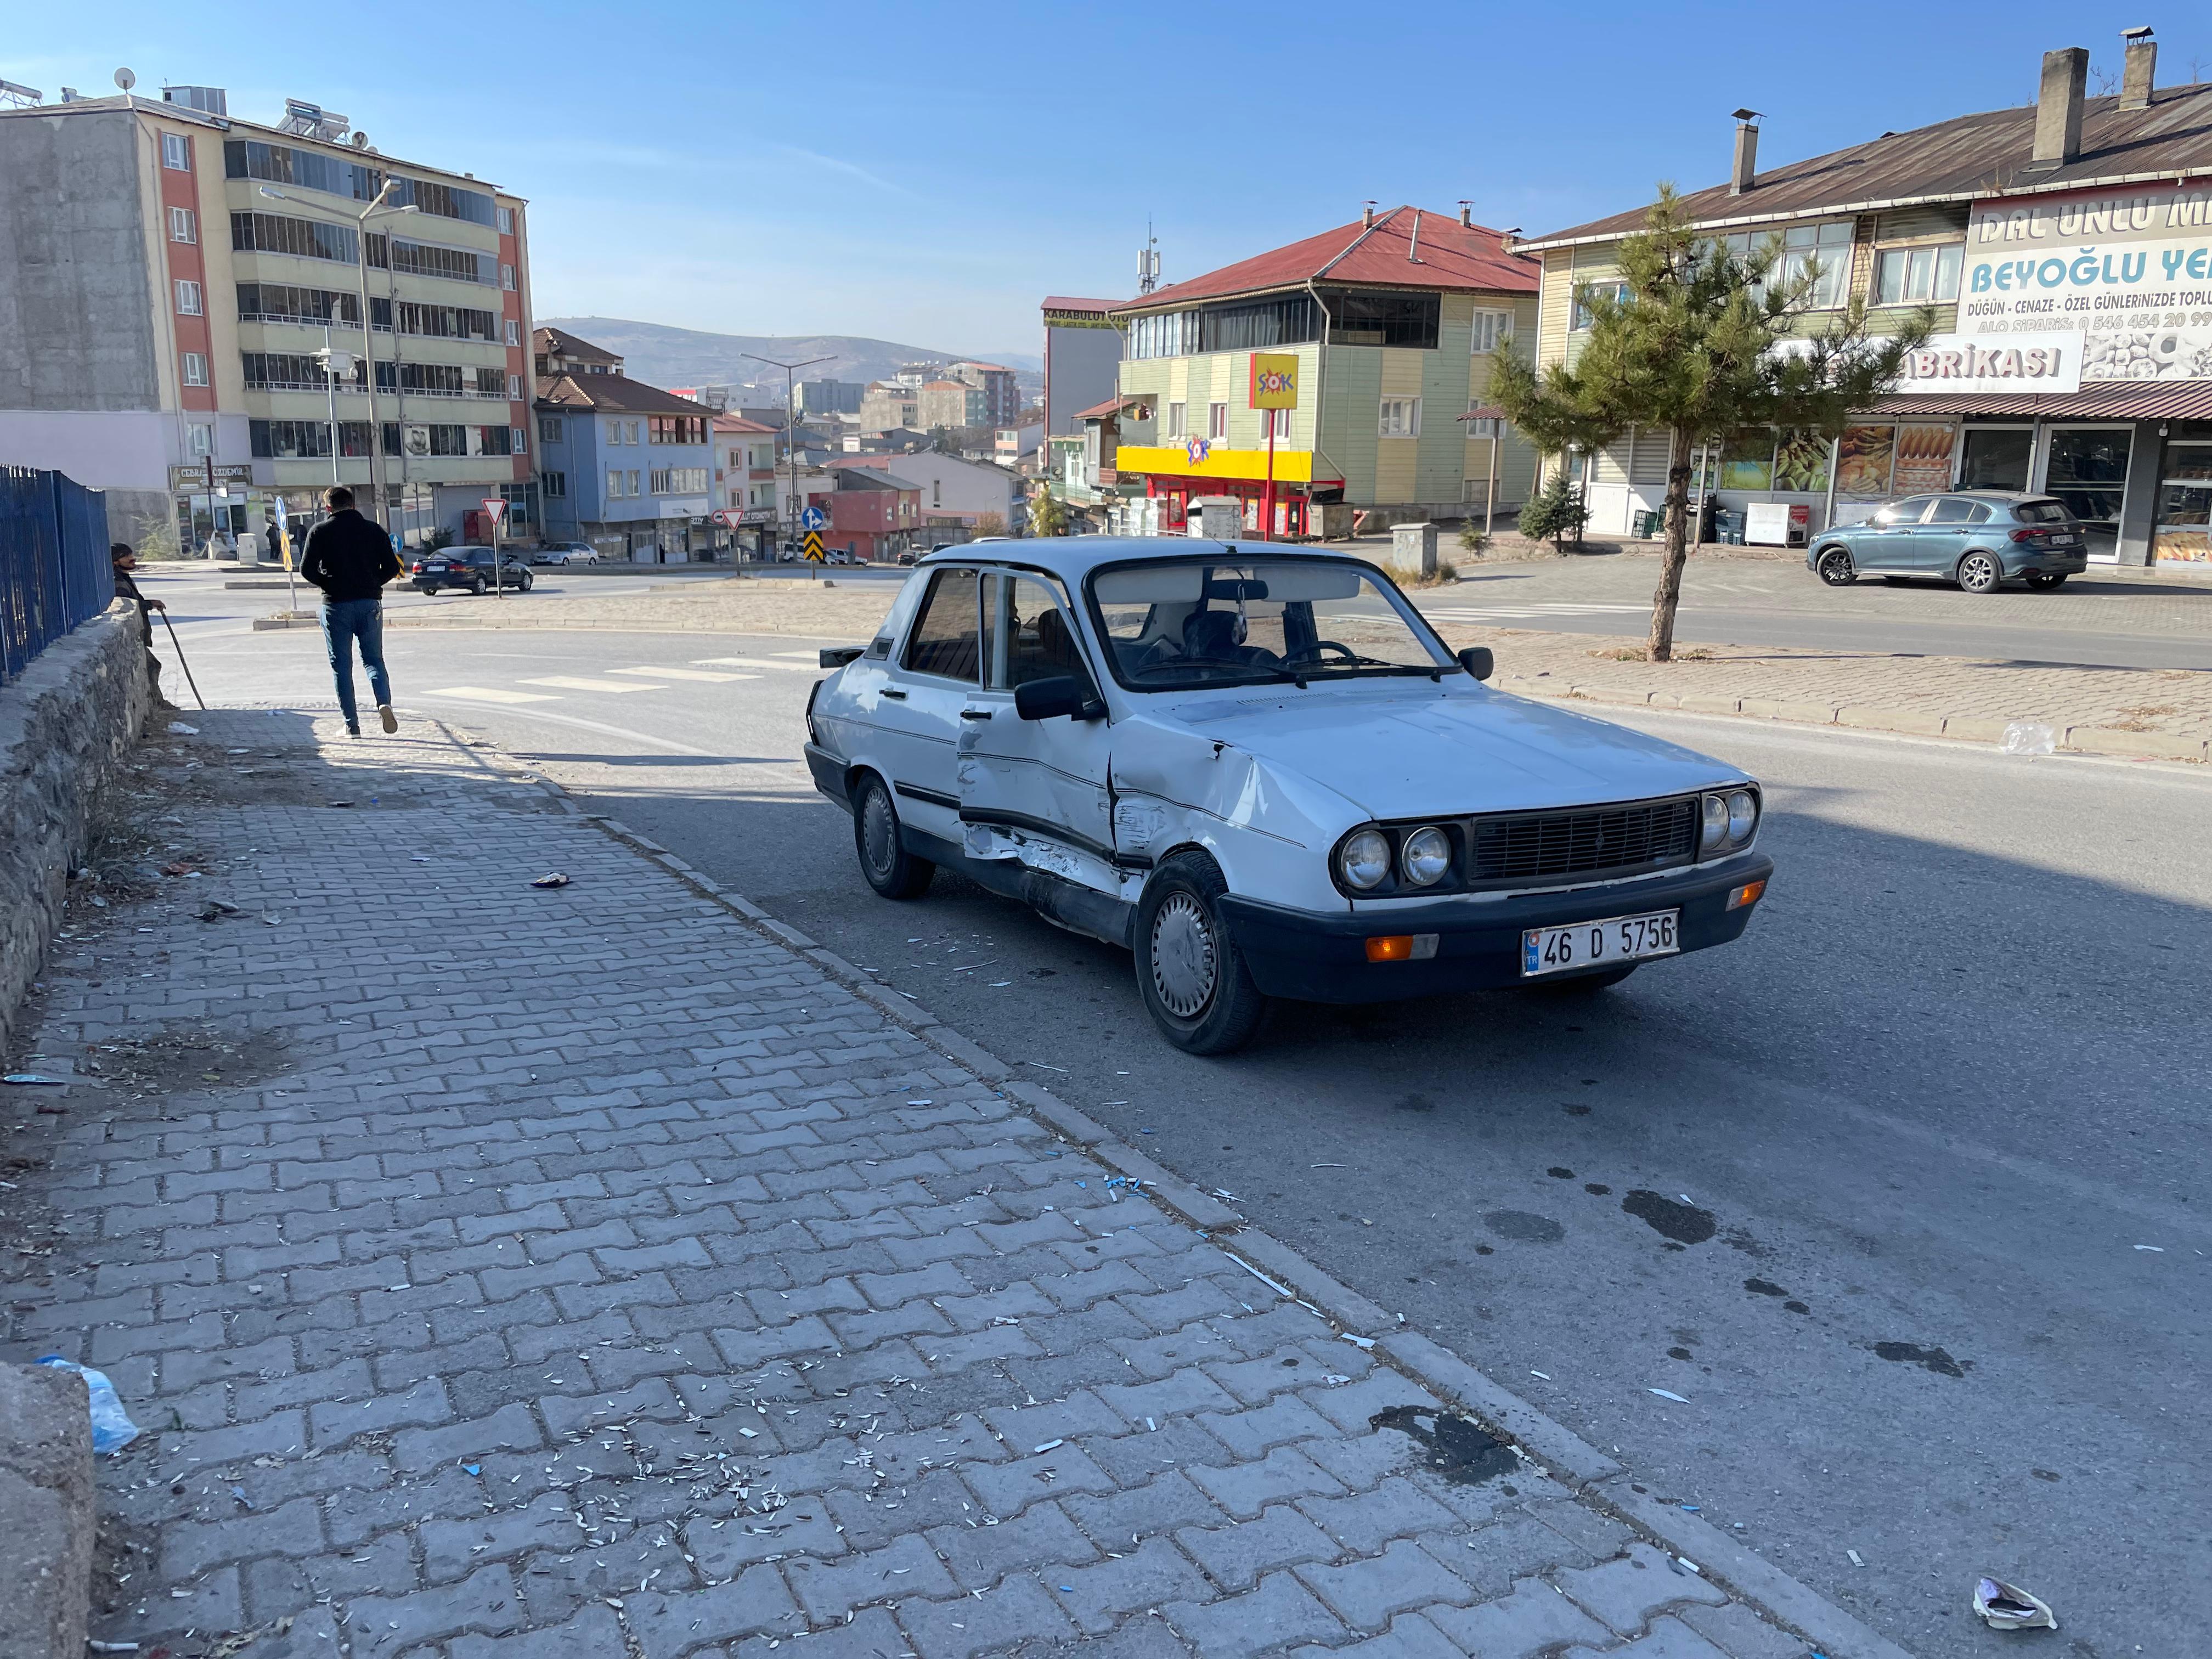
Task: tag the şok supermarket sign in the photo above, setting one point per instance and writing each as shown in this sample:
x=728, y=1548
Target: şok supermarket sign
x=2127, y=274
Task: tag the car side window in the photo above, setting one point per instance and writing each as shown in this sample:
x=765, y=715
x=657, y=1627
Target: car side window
x=944, y=641
x=1907, y=511
x=1954, y=509
x=1034, y=639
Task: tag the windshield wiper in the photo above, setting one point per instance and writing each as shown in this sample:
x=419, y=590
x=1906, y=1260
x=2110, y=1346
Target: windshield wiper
x=1261, y=672
x=1376, y=666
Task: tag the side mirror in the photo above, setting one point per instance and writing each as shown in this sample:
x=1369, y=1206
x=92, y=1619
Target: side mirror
x=1044, y=699
x=1478, y=661
x=836, y=656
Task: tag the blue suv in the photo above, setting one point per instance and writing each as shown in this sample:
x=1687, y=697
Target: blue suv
x=1975, y=538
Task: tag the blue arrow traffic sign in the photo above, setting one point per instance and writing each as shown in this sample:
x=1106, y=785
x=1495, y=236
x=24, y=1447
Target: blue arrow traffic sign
x=812, y=517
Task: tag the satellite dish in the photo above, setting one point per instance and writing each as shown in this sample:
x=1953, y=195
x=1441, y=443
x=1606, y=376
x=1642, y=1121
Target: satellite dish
x=126, y=80
x=361, y=141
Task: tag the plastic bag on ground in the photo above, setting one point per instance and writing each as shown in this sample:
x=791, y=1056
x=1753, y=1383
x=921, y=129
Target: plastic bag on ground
x=111, y=1430
x=2007, y=1607
x=2028, y=738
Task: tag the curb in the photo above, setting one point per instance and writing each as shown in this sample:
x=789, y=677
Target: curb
x=1695, y=1544
x=1987, y=730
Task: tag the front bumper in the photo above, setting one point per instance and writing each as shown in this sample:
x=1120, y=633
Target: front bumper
x=1313, y=956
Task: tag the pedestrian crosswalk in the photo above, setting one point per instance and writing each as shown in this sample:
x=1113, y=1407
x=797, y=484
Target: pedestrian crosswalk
x=631, y=679
x=1521, y=612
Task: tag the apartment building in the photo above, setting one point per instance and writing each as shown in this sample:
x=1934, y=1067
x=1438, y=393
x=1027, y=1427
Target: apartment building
x=623, y=465
x=184, y=292
x=1390, y=324
x=951, y=405
x=886, y=405
x=745, y=481
x=1002, y=395
x=2065, y=247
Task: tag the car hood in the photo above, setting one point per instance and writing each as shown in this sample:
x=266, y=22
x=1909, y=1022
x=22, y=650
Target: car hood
x=1404, y=753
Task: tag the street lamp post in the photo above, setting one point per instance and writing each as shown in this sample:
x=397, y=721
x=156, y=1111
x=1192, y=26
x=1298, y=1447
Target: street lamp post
x=791, y=453
x=367, y=332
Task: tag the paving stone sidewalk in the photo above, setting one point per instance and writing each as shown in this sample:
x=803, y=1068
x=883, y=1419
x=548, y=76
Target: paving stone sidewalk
x=584, y=1273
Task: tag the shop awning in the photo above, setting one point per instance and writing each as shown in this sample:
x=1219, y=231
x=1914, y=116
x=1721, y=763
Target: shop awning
x=2115, y=400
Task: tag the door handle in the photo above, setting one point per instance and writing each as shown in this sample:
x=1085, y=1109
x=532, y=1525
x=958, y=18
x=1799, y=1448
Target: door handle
x=888, y=692
x=974, y=713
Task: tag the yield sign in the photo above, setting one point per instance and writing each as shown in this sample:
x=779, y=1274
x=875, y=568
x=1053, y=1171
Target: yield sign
x=495, y=510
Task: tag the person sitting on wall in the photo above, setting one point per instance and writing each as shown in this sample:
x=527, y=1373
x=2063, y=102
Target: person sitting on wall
x=124, y=561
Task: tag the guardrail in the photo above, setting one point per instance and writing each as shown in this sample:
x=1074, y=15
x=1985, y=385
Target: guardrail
x=54, y=571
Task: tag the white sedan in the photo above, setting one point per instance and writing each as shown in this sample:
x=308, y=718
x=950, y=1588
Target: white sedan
x=1260, y=770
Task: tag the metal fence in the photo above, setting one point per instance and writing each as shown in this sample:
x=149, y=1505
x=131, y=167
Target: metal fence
x=54, y=570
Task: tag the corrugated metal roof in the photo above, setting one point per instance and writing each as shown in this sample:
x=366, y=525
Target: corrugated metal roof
x=2116, y=400
x=1968, y=156
x=1450, y=255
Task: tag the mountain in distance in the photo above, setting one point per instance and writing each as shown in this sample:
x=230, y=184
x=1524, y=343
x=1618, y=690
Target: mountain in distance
x=664, y=356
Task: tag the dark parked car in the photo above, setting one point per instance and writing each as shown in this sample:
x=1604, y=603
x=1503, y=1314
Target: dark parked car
x=470, y=568
x=1975, y=538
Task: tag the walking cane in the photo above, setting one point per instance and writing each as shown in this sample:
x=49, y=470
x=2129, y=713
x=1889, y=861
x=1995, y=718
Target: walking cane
x=181, y=663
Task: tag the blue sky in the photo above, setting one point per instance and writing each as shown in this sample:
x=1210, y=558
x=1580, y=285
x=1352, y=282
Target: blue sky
x=927, y=172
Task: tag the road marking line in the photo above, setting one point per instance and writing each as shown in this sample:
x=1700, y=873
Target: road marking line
x=684, y=674
x=808, y=655
x=760, y=662
x=487, y=694
x=574, y=683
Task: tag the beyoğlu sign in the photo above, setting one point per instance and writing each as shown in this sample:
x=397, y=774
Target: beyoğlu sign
x=1963, y=362
x=2128, y=274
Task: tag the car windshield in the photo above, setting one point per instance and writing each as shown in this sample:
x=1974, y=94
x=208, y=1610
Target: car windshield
x=2041, y=511
x=1179, y=623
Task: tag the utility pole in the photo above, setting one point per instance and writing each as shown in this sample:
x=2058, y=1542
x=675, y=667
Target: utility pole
x=791, y=453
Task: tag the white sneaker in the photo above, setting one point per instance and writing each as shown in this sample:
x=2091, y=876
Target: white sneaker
x=391, y=721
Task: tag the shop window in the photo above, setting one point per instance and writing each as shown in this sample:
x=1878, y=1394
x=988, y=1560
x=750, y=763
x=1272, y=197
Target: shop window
x=1918, y=276
x=2088, y=472
x=2185, y=504
x=1996, y=458
x=1400, y=418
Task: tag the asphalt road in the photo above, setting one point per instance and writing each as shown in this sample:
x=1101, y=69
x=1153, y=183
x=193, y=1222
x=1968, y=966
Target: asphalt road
x=1905, y=1194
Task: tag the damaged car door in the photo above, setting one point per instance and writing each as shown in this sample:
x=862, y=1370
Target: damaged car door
x=1033, y=772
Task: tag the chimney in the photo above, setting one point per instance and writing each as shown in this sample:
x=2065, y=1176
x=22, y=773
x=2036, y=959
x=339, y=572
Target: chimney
x=1747, y=151
x=1367, y=216
x=1467, y=215
x=2142, y=64
x=2058, y=108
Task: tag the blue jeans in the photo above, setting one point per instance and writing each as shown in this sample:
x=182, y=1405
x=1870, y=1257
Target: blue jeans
x=344, y=621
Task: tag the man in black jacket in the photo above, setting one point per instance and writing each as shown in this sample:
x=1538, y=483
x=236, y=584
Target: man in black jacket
x=350, y=558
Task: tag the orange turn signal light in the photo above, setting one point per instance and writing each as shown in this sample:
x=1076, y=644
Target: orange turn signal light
x=1749, y=893
x=1402, y=947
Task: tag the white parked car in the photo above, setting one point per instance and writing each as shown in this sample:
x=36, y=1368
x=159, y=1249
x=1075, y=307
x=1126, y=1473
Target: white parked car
x=1260, y=770
x=566, y=553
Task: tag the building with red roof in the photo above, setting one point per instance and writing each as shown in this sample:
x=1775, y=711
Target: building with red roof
x=1381, y=333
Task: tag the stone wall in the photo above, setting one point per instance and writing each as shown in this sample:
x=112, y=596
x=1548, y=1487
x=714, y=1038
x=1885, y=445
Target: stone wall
x=45, y=1512
x=64, y=727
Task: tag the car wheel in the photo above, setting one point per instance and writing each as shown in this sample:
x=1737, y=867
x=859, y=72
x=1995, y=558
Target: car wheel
x=1979, y=571
x=529, y=582
x=2047, y=580
x=893, y=871
x=1583, y=984
x=1189, y=971
x=1836, y=567
x=477, y=586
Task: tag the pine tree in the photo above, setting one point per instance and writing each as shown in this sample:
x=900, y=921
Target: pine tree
x=1696, y=347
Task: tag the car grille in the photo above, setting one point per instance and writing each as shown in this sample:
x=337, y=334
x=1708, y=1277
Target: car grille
x=1598, y=840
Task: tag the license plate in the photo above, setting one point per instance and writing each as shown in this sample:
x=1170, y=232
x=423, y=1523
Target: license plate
x=2064, y=541
x=1594, y=944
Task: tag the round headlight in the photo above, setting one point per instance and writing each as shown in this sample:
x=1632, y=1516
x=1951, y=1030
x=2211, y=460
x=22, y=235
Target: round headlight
x=1743, y=815
x=1425, y=857
x=1714, y=835
x=1364, y=863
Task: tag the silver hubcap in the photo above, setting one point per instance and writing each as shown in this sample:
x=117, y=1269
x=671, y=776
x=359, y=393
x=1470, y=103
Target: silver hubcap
x=1183, y=955
x=1980, y=573
x=878, y=832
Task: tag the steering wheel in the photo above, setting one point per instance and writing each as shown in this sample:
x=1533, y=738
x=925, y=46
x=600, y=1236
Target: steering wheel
x=1319, y=646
